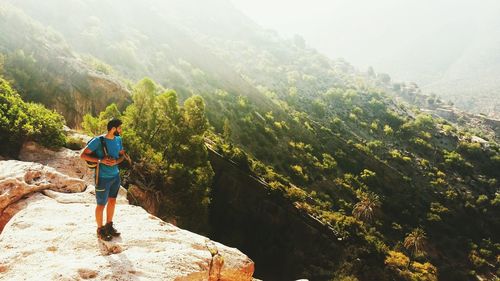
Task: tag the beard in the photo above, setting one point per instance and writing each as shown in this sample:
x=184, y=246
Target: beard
x=116, y=133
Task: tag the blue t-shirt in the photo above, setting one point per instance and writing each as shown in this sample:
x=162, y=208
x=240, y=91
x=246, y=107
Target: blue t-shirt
x=114, y=147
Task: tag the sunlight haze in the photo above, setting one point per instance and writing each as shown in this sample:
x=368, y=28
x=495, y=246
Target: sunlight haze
x=376, y=33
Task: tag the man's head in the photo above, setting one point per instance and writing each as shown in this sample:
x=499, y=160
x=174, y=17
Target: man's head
x=115, y=126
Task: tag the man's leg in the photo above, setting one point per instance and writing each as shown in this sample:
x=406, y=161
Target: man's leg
x=101, y=193
x=110, y=210
x=99, y=210
x=101, y=230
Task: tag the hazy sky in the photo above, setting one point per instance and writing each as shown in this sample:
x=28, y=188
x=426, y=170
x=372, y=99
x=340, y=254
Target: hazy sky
x=374, y=32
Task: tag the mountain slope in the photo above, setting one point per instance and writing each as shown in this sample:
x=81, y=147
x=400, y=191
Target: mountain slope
x=326, y=138
x=45, y=69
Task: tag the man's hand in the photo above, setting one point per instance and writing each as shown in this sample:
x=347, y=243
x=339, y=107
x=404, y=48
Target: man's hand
x=109, y=161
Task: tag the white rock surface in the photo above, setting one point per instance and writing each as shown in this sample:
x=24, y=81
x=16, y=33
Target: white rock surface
x=50, y=231
x=49, y=240
x=88, y=196
x=18, y=179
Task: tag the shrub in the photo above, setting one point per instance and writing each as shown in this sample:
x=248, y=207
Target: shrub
x=397, y=260
x=74, y=143
x=21, y=121
x=454, y=160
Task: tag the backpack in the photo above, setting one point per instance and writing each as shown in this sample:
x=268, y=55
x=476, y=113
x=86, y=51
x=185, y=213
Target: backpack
x=93, y=165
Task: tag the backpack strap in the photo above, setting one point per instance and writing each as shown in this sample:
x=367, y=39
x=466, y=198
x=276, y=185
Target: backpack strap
x=96, y=176
x=105, y=150
x=103, y=144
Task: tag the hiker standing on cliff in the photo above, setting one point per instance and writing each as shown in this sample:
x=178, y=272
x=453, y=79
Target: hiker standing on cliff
x=107, y=152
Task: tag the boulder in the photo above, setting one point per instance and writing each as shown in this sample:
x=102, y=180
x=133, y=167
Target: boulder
x=64, y=160
x=18, y=179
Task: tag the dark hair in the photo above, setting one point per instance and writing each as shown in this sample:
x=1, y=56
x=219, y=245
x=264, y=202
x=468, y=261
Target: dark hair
x=115, y=122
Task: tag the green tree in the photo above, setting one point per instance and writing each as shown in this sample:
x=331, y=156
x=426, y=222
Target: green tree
x=90, y=125
x=415, y=241
x=367, y=206
x=110, y=112
x=97, y=125
x=455, y=160
x=168, y=142
x=143, y=109
x=194, y=114
x=388, y=130
x=165, y=123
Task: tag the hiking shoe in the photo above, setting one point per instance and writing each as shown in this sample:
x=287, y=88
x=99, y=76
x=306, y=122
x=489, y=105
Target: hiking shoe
x=103, y=234
x=111, y=230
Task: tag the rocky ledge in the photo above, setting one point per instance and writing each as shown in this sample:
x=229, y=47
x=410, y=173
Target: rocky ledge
x=48, y=233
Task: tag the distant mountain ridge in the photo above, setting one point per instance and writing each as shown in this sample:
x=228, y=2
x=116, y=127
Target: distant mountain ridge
x=459, y=62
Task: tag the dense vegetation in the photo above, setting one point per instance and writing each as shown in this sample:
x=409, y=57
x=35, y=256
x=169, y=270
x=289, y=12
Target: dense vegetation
x=413, y=196
x=395, y=188
x=21, y=121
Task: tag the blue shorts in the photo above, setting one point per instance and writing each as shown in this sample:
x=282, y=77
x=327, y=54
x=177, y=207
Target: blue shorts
x=107, y=188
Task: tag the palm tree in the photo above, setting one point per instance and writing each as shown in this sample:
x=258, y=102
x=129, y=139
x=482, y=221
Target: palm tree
x=415, y=241
x=367, y=206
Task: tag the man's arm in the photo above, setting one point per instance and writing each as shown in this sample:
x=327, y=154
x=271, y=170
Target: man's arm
x=122, y=157
x=86, y=155
x=121, y=153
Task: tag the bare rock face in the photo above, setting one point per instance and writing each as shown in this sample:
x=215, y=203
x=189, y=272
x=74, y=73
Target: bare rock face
x=10, y=211
x=64, y=160
x=143, y=198
x=70, y=85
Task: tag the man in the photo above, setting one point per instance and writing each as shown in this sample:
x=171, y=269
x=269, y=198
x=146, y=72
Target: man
x=107, y=175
